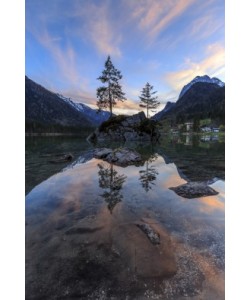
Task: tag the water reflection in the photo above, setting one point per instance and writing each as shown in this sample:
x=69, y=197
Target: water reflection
x=189, y=140
x=198, y=161
x=111, y=181
x=209, y=138
x=68, y=227
x=149, y=174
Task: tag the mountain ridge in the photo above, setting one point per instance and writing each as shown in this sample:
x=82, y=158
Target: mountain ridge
x=49, y=111
x=195, y=101
x=203, y=100
x=204, y=78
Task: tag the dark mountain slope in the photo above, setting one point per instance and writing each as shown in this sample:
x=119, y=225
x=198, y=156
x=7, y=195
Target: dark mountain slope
x=202, y=100
x=46, y=111
x=166, y=109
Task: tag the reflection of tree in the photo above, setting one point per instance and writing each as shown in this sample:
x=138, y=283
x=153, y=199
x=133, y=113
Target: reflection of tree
x=148, y=176
x=112, y=182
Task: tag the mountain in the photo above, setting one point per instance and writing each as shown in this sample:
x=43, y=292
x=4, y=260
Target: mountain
x=201, y=100
x=205, y=79
x=46, y=111
x=92, y=115
x=166, y=109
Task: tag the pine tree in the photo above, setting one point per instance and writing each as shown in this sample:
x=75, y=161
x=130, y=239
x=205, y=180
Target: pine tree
x=111, y=92
x=147, y=100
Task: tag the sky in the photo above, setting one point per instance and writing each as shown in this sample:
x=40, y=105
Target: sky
x=164, y=42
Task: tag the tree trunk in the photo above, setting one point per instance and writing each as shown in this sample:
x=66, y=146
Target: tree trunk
x=110, y=108
x=110, y=103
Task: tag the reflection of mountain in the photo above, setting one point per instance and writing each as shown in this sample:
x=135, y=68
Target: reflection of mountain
x=195, y=163
x=148, y=176
x=111, y=182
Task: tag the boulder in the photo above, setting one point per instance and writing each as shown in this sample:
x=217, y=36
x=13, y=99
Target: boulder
x=194, y=189
x=119, y=156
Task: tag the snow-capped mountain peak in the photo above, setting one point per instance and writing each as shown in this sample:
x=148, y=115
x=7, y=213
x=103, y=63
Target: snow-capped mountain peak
x=204, y=78
x=91, y=114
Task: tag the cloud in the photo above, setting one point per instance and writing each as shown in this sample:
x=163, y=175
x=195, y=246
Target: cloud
x=63, y=56
x=175, y=11
x=155, y=16
x=128, y=104
x=98, y=26
x=79, y=95
x=205, y=26
x=103, y=35
x=212, y=65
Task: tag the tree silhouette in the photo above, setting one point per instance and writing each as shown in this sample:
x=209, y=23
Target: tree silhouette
x=149, y=175
x=111, y=182
x=147, y=98
x=111, y=92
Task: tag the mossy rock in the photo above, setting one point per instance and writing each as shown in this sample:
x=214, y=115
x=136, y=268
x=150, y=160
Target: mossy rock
x=148, y=126
x=112, y=123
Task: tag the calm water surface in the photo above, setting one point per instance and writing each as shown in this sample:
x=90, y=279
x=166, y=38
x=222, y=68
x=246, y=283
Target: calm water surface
x=84, y=218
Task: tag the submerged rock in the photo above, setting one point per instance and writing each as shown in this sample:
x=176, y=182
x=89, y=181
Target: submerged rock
x=120, y=156
x=194, y=189
x=153, y=236
x=63, y=158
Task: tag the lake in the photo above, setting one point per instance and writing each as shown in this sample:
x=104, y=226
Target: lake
x=95, y=230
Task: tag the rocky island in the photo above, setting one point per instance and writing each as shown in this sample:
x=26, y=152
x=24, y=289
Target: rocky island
x=126, y=128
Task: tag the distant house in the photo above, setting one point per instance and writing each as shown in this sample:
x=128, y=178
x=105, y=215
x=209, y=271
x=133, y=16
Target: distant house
x=189, y=126
x=215, y=129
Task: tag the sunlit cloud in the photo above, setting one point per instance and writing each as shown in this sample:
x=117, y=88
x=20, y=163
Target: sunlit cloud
x=98, y=26
x=155, y=16
x=122, y=111
x=127, y=107
x=211, y=65
x=80, y=96
x=176, y=9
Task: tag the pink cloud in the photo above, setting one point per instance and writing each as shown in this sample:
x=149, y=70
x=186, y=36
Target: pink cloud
x=99, y=27
x=155, y=16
